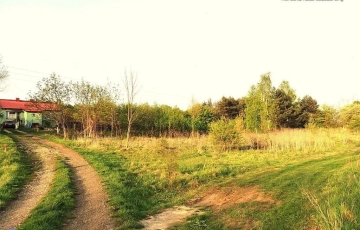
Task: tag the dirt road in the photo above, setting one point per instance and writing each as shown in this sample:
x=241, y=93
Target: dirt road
x=92, y=210
x=16, y=211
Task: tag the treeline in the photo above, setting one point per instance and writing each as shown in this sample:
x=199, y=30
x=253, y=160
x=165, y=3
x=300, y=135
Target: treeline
x=88, y=110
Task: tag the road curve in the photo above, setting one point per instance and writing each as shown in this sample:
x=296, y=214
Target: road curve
x=92, y=210
x=31, y=194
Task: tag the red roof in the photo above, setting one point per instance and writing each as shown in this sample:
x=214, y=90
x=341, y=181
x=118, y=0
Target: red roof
x=28, y=106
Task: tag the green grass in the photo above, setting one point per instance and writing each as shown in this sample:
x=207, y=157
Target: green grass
x=53, y=210
x=315, y=187
x=15, y=169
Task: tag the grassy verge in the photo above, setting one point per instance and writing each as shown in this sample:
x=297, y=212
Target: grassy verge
x=313, y=175
x=15, y=169
x=51, y=213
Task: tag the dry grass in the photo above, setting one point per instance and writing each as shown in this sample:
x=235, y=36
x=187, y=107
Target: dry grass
x=286, y=140
x=299, y=139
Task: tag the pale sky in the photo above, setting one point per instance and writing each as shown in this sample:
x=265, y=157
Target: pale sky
x=185, y=49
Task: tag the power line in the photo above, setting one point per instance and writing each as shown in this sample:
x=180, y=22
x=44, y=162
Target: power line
x=27, y=70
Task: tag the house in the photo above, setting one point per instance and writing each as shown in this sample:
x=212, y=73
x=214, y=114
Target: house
x=27, y=113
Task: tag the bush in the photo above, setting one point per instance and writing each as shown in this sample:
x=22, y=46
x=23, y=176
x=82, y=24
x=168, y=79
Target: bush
x=225, y=134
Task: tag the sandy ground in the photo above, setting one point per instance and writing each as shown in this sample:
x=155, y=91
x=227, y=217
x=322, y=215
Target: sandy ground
x=216, y=198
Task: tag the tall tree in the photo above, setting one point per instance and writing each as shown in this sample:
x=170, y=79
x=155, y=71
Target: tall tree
x=227, y=107
x=3, y=75
x=194, y=111
x=308, y=107
x=86, y=97
x=206, y=116
x=266, y=91
x=56, y=92
x=252, y=111
x=285, y=109
x=260, y=106
x=285, y=87
x=131, y=89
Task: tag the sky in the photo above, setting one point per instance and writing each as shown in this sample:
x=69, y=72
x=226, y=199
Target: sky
x=185, y=50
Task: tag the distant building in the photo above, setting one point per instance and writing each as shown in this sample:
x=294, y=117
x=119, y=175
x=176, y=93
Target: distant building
x=27, y=113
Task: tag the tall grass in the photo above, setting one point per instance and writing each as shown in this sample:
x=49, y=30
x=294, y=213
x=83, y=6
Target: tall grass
x=307, y=140
x=15, y=169
x=337, y=204
x=158, y=173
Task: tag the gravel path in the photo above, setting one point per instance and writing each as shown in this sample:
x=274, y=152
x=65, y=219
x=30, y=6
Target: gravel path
x=92, y=210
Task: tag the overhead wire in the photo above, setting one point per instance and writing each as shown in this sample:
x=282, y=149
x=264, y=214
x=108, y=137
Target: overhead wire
x=33, y=78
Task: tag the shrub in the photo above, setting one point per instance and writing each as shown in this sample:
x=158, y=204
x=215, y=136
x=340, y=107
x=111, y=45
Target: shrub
x=225, y=134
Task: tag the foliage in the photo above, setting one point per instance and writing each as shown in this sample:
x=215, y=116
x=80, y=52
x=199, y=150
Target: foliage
x=350, y=116
x=308, y=107
x=55, y=92
x=194, y=111
x=260, y=111
x=204, y=119
x=228, y=108
x=285, y=109
x=225, y=135
x=328, y=117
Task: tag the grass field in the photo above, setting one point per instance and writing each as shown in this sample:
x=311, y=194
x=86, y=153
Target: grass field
x=15, y=169
x=311, y=175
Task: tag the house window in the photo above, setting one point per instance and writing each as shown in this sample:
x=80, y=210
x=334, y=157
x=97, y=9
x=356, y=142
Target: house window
x=10, y=115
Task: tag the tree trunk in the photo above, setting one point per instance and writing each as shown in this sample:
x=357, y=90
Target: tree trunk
x=128, y=135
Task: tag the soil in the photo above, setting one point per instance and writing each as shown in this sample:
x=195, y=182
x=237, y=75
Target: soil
x=169, y=217
x=216, y=198
x=92, y=210
x=226, y=197
x=16, y=211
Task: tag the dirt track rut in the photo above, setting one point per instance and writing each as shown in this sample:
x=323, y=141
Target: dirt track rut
x=16, y=212
x=92, y=210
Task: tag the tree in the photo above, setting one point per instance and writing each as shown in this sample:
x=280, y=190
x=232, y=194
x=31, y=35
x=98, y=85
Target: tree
x=228, y=108
x=194, y=111
x=205, y=117
x=3, y=75
x=260, y=111
x=285, y=87
x=225, y=135
x=54, y=91
x=252, y=111
x=131, y=89
x=285, y=110
x=350, y=116
x=308, y=107
x=85, y=99
x=328, y=117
